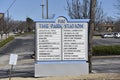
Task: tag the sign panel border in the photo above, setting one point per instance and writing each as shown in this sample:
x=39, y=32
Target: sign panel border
x=68, y=21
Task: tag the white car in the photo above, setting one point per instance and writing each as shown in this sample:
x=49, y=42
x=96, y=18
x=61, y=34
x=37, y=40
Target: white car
x=108, y=36
x=117, y=35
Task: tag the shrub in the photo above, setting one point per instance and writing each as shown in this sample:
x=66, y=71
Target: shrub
x=2, y=43
x=106, y=50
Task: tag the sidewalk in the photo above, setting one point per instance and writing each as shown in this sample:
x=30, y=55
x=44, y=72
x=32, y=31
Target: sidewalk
x=102, y=76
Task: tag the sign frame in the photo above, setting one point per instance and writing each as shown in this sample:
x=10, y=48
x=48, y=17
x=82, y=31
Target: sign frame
x=61, y=67
x=49, y=21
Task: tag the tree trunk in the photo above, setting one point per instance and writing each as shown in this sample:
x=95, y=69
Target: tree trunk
x=91, y=31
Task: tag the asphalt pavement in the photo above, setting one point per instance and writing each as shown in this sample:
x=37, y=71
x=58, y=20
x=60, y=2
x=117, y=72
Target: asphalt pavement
x=106, y=41
x=106, y=64
x=23, y=46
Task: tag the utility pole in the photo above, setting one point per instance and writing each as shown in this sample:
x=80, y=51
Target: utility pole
x=42, y=9
x=8, y=15
x=91, y=31
x=7, y=23
x=46, y=9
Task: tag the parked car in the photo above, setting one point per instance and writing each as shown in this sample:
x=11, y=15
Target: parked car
x=117, y=35
x=110, y=35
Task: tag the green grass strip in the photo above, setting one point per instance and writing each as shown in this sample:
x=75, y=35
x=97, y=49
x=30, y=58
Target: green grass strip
x=4, y=42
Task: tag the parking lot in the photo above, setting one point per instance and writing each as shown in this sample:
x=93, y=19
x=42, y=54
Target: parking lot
x=106, y=41
x=111, y=35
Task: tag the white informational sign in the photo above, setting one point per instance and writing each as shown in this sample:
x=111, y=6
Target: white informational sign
x=13, y=59
x=49, y=44
x=75, y=43
x=62, y=40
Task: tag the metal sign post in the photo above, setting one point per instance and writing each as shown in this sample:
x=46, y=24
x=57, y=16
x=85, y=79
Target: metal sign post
x=10, y=72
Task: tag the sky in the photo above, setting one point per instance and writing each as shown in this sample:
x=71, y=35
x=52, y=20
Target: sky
x=31, y=8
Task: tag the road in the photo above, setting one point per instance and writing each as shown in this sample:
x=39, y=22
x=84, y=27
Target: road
x=106, y=41
x=24, y=47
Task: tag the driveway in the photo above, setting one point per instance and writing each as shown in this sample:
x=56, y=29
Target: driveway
x=23, y=46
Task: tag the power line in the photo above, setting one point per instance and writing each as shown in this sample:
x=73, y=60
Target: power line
x=10, y=6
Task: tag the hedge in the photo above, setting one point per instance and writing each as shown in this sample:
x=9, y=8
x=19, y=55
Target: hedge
x=106, y=50
x=2, y=43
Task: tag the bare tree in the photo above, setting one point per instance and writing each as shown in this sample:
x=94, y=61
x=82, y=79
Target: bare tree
x=18, y=26
x=117, y=6
x=21, y=26
x=7, y=26
x=99, y=17
x=86, y=8
x=81, y=10
x=77, y=10
x=74, y=9
x=1, y=27
x=117, y=26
